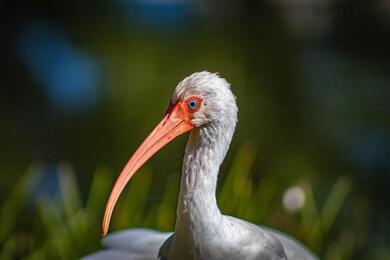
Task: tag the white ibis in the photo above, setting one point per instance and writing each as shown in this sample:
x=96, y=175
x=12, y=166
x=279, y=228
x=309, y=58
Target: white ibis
x=204, y=105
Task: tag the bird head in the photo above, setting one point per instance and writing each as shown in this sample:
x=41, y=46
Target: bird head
x=208, y=99
x=200, y=100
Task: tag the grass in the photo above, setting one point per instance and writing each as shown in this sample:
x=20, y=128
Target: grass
x=66, y=226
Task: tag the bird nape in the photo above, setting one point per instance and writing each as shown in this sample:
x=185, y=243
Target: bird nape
x=203, y=105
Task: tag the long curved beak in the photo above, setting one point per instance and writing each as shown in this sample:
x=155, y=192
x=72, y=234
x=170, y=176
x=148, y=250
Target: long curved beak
x=175, y=123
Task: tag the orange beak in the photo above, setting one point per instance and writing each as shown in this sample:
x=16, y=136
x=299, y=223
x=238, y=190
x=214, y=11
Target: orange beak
x=176, y=122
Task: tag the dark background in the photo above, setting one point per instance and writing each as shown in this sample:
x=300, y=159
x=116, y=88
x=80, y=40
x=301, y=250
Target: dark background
x=84, y=82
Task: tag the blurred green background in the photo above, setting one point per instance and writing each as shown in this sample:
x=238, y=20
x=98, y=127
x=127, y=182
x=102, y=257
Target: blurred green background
x=83, y=83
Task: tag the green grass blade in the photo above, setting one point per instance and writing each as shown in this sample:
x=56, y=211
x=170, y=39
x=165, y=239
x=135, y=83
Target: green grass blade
x=16, y=199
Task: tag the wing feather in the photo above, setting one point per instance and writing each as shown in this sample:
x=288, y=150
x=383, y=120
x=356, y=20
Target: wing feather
x=134, y=244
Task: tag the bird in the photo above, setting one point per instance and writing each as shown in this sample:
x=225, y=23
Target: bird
x=203, y=105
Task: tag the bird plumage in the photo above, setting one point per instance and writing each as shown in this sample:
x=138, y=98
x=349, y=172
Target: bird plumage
x=144, y=244
x=201, y=231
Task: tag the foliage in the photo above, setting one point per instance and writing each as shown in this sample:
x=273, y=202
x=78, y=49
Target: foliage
x=66, y=226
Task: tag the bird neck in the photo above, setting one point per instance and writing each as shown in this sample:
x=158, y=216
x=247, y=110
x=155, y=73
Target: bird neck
x=204, y=153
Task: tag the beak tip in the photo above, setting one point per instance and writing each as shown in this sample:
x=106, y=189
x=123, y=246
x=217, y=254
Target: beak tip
x=103, y=230
x=103, y=233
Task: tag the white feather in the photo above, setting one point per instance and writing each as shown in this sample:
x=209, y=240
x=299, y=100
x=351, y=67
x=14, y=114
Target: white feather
x=201, y=231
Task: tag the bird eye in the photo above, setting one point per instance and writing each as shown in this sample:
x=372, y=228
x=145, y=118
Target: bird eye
x=192, y=104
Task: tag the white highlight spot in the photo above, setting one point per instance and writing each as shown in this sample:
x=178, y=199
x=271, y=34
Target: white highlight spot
x=294, y=199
